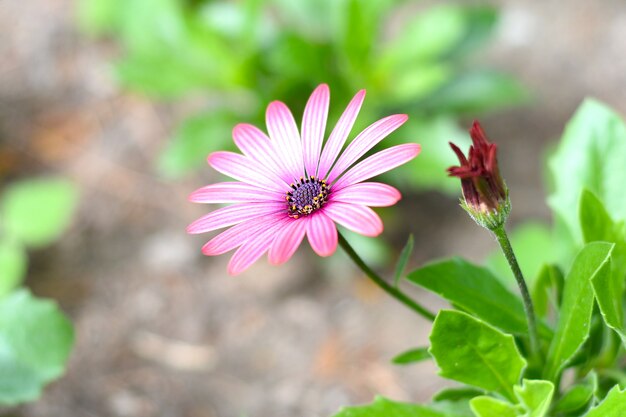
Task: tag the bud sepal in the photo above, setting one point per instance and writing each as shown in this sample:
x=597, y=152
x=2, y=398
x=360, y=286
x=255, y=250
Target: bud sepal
x=490, y=219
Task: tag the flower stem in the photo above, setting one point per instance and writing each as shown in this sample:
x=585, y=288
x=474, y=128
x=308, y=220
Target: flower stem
x=505, y=245
x=389, y=289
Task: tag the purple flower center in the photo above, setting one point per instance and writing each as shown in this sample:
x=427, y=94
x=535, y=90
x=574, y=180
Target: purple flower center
x=306, y=196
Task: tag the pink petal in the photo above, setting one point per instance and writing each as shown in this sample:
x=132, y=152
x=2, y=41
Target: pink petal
x=244, y=169
x=284, y=133
x=378, y=163
x=372, y=194
x=357, y=218
x=287, y=241
x=340, y=134
x=256, y=145
x=314, y=126
x=239, y=234
x=253, y=249
x=322, y=234
x=237, y=213
x=233, y=192
x=365, y=141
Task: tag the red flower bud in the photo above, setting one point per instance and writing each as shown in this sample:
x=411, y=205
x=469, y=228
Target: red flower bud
x=484, y=191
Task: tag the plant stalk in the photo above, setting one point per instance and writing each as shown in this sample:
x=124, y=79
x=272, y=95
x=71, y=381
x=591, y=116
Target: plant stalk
x=389, y=289
x=505, y=245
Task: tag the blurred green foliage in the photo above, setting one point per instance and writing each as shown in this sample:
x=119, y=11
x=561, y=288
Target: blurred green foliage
x=35, y=336
x=239, y=55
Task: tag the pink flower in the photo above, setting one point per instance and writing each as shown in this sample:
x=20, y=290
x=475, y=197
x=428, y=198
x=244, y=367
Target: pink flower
x=289, y=186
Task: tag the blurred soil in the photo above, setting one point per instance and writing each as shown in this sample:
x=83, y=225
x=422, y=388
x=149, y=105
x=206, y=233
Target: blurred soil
x=163, y=331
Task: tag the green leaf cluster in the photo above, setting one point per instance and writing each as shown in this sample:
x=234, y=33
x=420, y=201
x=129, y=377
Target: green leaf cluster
x=35, y=336
x=239, y=55
x=576, y=275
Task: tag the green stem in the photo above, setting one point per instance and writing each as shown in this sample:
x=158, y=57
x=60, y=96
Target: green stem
x=505, y=244
x=389, y=289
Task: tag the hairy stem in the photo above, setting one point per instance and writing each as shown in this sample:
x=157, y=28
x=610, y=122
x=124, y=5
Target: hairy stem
x=505, y=245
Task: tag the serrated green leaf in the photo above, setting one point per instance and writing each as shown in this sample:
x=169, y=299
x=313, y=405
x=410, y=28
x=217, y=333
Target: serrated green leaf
x=536, y=396
x=614, y=405
x=608, y=286
x=471, y=351
x=382, y=407
x=590, y=155
x=194, y=140
x=36, y=212
x=609, y=290
x=575, y=315
x=35, y=341
x=474, y=289
x=485, y=406
x=411, y=356
x=13, y=263
x=403, y=259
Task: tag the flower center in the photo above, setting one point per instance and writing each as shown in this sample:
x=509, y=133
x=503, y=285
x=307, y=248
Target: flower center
x=306, y=196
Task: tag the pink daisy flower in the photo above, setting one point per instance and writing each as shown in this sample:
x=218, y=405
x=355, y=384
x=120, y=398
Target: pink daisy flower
x=289, y=185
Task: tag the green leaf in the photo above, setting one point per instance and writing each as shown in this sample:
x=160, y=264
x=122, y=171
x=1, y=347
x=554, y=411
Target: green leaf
x=533, y=246
x=36, y=212
x=35, y=341
x=575, y=315
x=459, y=408
x=485, y=406
x=614, y=405
x=595, y=222
x=608, y=286
x=412, y=356
x=403, y=259
x=547, y=290
x=590, y=155
x=597, y=225
x=609, y=290
x=536, y=396
x=382, y=407
x=194, y=140
x=477, y=290
x=573, y=400
x=13, y=263
x=471, y=351
x=456, y=394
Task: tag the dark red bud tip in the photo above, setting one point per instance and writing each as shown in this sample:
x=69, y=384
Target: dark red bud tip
x=483, y=188
x=458, y=153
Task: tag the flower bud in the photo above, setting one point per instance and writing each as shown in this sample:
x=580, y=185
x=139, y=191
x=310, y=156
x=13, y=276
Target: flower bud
x=485, y=195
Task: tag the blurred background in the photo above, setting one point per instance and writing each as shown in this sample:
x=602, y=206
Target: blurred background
x=108, y=109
